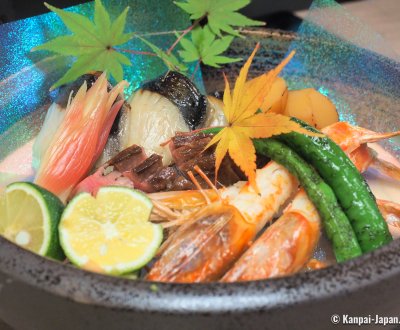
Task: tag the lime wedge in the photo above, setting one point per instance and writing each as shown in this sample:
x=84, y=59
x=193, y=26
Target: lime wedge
x=110, y=233
x=29, y=217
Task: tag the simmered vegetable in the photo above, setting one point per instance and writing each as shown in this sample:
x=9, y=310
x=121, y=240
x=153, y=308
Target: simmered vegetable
x=312, y=107
x=168, y=104
x=180, y=91
x=275, y=100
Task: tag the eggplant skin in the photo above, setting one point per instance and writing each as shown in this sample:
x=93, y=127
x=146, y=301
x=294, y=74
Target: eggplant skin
x=181, y=91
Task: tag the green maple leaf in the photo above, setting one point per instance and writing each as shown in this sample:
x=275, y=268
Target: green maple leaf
x=170, y=60
x=92, y=43
x=221, y=14
x=204, y=47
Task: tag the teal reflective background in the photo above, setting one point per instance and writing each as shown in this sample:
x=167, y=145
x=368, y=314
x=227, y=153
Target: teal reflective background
x=26, y=77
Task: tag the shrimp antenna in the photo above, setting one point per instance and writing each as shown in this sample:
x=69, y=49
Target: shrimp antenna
x=207, y=180
x=197, y=184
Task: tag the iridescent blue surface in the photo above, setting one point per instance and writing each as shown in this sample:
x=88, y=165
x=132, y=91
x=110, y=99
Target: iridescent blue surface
x=331, y=57
x=26, y=77
x=337, y=54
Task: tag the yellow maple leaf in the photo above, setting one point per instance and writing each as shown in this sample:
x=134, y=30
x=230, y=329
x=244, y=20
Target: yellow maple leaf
x=245, y=122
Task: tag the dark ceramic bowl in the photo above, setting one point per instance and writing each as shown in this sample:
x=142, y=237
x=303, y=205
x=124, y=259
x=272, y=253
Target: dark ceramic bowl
x=38, y=293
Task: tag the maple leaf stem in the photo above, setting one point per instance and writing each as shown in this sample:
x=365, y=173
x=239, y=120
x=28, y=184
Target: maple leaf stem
x=196, y=68
x=159, y=33
x=185, y=32
x=202, y=130
x=137, y=52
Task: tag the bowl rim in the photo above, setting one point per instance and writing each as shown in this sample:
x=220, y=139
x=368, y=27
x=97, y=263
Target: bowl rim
x=82, y=286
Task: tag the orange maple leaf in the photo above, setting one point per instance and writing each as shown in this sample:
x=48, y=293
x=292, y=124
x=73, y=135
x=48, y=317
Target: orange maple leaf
x=245, y=123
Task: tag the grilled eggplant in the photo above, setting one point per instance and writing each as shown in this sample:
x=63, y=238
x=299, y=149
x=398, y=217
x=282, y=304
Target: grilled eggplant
x=168, y=104
x=181, y=91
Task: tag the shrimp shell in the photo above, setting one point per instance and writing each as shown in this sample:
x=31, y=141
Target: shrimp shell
x=284, y=248
x=211, y=239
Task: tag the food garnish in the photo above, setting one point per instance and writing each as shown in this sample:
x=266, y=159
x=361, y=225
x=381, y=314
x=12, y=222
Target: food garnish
x=74, y=146
x=93, y=43
x=170, y=60
x=221, y=14
x=204, y=47
x=241, y=110
x=29, y=217
x=110, y=233
x=276, y=99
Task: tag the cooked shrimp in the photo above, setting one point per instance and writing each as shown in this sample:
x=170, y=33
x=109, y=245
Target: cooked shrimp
x=353, y=140
x=212, y=238
x=80, y=137
x=284, y=247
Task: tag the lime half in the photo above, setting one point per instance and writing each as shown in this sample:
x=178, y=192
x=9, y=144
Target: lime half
x=110, y=233
x=29, y=217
